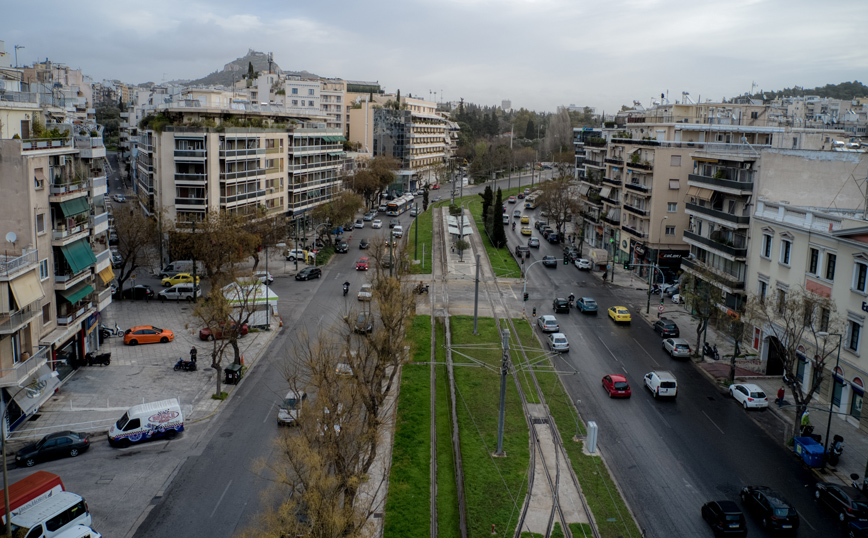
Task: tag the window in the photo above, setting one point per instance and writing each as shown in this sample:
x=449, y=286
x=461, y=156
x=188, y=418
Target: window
x=854, y=331
x=40, y=223
x=672, y=207
x=836, y=392
x=43, y=269
x=824, y=319
x=763, y=291
x=670, y=230
x=860, y=272
x=767, y=246
x=786, y=248
x=782, y=301
x=830, y=266
x=675, y=160
x=814, y=261
x=295, y=91
x=295, y=102
x=46, y=313
x=674, y=184
x=754, y=115
x=338, y=99
x=310, y=91
x=731, y=207
x=856, y=405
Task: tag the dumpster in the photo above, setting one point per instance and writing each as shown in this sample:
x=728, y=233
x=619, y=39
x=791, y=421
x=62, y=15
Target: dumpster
x=809, y=450
x=233, y=374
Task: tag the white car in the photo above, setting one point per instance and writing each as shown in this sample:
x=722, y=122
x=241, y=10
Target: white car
x=548, y=324
x=676, y=298
x=583, y=264
x=558, y=342
x=289, y=409
x=377, y=223
x=398, y=231
x=264, y=277
x=749, y=395
x=119, y=198
x=366, y=292
x=661, y=383
x=676, y=347
x=360, y=223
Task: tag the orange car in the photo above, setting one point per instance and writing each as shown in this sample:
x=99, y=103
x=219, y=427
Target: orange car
x=147, y=334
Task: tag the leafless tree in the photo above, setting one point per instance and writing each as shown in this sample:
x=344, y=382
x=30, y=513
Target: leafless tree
x=560, y=201
x=137, y=242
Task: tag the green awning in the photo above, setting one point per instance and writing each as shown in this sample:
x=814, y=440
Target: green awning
x=79, y=255
x=74, y=207
x=336, y=153
x=330, y=139
x=340, y=139
x=77, y=293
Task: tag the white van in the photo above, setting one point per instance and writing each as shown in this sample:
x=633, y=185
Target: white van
x=179, y=292
x=79, y=531
x=52, y=516
x=398, y=231
x=147, y=421
x=182, y=266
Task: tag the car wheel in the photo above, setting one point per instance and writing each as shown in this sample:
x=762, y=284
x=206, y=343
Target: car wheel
x=290, y=258
x=171, y=434
x=124, y=443
x=30, y=462
x=744, y=404
x=210, y=338
x=656, y=393
x=817, y=494
x=765, y=523
x=162, y=298
x=164, y=340
x=73, y=453
x=134, y=342
x=842, y=517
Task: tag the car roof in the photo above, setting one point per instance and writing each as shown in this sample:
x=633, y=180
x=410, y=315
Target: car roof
x=587, y=299
x=679, y=341
x=141, y=327
x=773, y=496
x=751, y=387
x=547, y=317
x=664, y=374
x=617, y=377
x=555, y=335
x=729, y=507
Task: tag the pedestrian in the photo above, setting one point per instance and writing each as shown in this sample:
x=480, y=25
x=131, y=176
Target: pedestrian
x=781, y=393
x=193, y=353
x=604, y=275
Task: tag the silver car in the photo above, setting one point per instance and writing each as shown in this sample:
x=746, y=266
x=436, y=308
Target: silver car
x=548, y=324
x=583, y=264
x=676, y=347
x=558, y=342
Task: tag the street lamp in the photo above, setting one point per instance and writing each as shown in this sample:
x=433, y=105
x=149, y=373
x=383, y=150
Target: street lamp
x=825, y=335
x=16, y=54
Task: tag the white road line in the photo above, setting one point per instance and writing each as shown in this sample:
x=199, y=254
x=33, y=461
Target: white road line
x=607, y=348
x=653, y=360
x=268, y=414
x=220, y=499
x=713, y=422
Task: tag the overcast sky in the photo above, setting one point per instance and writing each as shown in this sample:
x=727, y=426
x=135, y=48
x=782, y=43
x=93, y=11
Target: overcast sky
x=537, y=53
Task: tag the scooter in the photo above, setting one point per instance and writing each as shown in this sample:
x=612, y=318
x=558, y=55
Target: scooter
x=187, y=366
x=420, y=289
x=710, y=351
x=103, y=359
x=655, y=289
x=835, y=450
x=106, y=332
x=346, y=288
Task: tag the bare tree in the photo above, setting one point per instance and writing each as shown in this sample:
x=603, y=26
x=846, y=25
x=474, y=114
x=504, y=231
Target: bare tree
x=219, y=241
x=338, y=211
x=702, y=298
x=560, y=202
x=794, y=320
x=137, y=243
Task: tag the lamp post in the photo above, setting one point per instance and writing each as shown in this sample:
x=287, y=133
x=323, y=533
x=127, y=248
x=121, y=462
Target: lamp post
x=416, y=228
x=832, y=393
x=656, y=266
x=16, y=59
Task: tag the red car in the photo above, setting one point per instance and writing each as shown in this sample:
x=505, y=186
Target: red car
x=435, y=187
x=205, y=333
x=362, y=264
x=617, y=386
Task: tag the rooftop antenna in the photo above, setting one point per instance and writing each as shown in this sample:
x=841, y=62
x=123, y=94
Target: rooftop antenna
x=270, y=61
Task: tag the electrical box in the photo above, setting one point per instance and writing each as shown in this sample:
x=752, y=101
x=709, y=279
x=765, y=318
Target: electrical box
x=591, y=439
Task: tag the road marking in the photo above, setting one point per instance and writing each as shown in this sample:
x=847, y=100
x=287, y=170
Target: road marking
x=713, y=422
x=220, y=499
x=268, y=414
x=662, y=417
x=653, y=360
x=607, y=348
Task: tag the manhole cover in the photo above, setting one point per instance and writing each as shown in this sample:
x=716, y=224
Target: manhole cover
x=226, y=434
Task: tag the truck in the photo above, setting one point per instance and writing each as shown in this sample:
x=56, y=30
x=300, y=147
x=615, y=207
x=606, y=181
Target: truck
x=181, y=266
x=532, y=200
x=30, y=490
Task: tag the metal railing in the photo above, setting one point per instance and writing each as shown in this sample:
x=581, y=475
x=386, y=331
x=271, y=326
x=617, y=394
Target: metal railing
x=10, y=264
x=64, y=232
x=71, y=318
x=191, y=178
x=23, y=370
x=11, y=322
x=718, y=213
x=227, y=153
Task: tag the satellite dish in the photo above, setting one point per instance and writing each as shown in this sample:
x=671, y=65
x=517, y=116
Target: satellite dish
x=11, y=237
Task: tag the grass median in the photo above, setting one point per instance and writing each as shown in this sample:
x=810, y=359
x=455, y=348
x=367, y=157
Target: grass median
x=447, y=490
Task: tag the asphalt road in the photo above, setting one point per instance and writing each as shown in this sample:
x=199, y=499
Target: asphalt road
x=668, y=457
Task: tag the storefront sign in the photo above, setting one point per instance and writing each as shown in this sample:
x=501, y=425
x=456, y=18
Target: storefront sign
x=672, y=255
x=640, y=250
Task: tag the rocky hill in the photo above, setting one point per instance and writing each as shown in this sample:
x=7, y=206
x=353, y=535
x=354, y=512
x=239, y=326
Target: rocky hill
x=237, y=68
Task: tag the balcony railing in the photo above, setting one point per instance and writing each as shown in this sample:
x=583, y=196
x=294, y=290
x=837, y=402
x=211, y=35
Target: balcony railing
x=598, y=164
x=63, y=232
x=68, y=188
x=611, y=220
x=727, y=183
x=228, y=153
x=11, y=264
x=635, y=210
x=100, y=181
x=612, y=181
x=727, y=280
x=240, y=197
x=633, y=231
x=190, y=201
x=738, y=252
x=638, y=187
x=613, y=160
x=191, y=178
x=641, y=165
x=70, y=318
x=11, y=322
x=103, y=256
x=22, y=371
x=36, y=144
x=242, y=174
x=190, y=153
x=717, y=213
x=611, y=201
x=591, y=217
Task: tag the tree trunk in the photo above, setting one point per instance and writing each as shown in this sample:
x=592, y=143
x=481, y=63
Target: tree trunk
x=216, y=365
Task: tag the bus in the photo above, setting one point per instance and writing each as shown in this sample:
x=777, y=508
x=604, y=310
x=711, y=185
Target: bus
x=399, y=205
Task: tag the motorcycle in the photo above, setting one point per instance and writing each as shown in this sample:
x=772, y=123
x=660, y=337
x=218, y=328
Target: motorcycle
x=513, y=225
x=655, y=289
x=346, y=288
x=571, y=299
x=103, y=359
x=835, y=451
x=106, y=332
x=710, y=351
x=420, y=289
x=187, y=366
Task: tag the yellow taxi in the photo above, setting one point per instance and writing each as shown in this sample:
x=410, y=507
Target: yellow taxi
x=619, y=314
x=525, y=230
x=525, y=219
x=180, y=278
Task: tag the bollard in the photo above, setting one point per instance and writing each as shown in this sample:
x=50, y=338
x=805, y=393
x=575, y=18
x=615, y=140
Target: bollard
x=492, y=529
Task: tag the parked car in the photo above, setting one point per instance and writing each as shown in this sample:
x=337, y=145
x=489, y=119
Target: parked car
x=561, y=305
x=846, y=502
x=207, y=334
x=369, y=216
x=522, y=252
x=666, y=327
x=771, y=508
x=180, y=278
x=138, y=292
x=533, y=242
x=359, y=223
x=572, y=252
x=749, y=395
x=296, y=254
x=120, y=198
x=724, y=518
x=180, y=292
x=677, y=299
x=583, y=264
x=617, y=386
x=53, y=446
x=362, y=264
x=342, y=247
x=540, y=225
x=264, y=277
x=288, y=410
x=147, y=334
x=549, y=261
x=377, y=224
x=558, y=342
x=366, y=292
x=117, y=259
x=676, y=347
x=553, y=238
x=548, y=324
x=587, y=305
x=434, y=187
x=661, y=383
x=619, y=314
x=308, y=273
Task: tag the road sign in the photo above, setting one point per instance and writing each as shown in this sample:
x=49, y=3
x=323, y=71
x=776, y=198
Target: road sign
x=661, y=308
x=608, y=267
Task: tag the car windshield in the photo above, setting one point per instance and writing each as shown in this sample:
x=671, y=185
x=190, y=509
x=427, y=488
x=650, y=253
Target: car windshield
x=290, y=403
x=783, y=512
x=757, y=394
x=122, y=422
x=590, y=302
x=622, y=311
x=733, y=517
x=561, y=341
x=667, y=384
x=157, y=329
x=681, y=347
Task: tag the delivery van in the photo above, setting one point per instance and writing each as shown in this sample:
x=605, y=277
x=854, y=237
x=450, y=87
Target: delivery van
x=182, y=266
x=179, y=292
x=52, y=516
x=143, y=422
x=79, y=531
x=30, y=490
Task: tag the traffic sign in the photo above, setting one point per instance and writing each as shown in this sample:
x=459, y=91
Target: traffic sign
x=661, y=308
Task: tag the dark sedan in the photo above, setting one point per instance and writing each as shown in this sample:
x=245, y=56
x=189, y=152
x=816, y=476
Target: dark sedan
x=309, y=272
x=725, y=518
x=846, y=502
x=141, y=291
x=550, y=261
x=561, y=305
x=53, y=446
x=666, y=328
x=774, y=512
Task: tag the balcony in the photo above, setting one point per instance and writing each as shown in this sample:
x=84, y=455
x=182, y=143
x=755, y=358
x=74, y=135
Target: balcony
x=190, y=201
x=241, y=174
x=11, y=264
x=611, y=201
x=633, y=231
x=730, y=250
x=717, y=214
x=22, y=371
x=64, y=234
x=734, y=186
x=612, y=181
x=60, y=188
x=37, y=144
x=597, y=164
x=638, y=187
x=72, y=317
x=239, y=197
x=198, y=154
x=641, y=165
x=105, y=299
x=195, y=179
x=242, y=152
x=103, y=259
x=97, y=220
x=11, y=322
x=726, y=280
x=635, y=210
x=614, y=220
x=590, y=217
x=613, y=160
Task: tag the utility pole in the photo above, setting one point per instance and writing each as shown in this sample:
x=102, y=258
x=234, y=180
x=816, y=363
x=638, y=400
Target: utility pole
x=476, y=298
x=504, y=369
x=416, y=228
x=195, y=283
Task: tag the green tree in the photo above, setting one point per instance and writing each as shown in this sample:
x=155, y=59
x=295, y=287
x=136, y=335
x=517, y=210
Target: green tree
x=137, y=243
x=425, y=199
x=530, y=132
x=498, y=235
x=251, y=74
x=487, y=198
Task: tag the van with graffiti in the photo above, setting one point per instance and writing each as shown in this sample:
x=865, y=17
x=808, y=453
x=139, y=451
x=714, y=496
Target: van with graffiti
x=148, y=421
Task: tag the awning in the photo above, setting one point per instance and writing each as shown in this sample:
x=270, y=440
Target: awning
x=40, y=175
x=107, y=275
x=77, y=293
x=705, y=159
x=75, y=206
x=79, y=255
x=26, y=289
x=699, y=192
x=41, y=388
x=605, y=192
x=584, y=188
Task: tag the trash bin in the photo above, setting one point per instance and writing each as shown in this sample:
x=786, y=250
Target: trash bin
x=233, y=374
x=809, y=450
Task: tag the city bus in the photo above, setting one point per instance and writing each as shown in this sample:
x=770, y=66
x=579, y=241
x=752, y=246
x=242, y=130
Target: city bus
x=399, y=205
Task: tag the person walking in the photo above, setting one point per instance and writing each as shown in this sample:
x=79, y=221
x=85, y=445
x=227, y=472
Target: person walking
x=781, y=393
x=193, y=354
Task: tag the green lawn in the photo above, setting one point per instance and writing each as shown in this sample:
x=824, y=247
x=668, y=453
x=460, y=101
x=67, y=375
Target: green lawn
x=494, y=487
x=447, y=490
x=502, y=262
x=409, y=499
x=425, y=221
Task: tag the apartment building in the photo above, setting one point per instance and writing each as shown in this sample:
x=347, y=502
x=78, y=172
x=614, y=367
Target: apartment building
x=826, y=253
x=56, y=265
